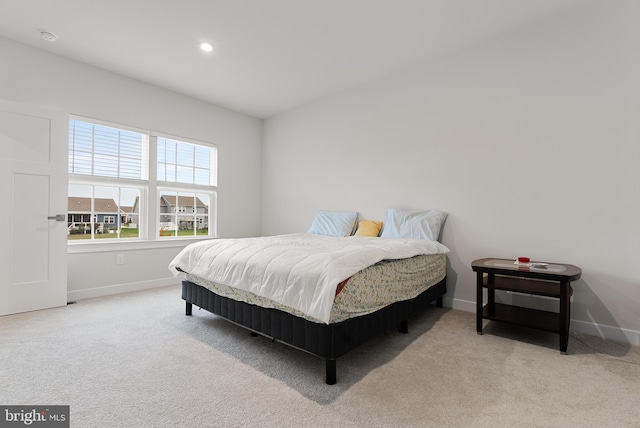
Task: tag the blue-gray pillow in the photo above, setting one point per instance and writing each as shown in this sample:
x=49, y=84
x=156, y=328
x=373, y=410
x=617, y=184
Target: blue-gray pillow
x=406, y=224
x=333, y=223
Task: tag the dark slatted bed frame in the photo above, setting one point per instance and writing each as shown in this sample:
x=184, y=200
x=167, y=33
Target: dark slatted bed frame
x=328, y=341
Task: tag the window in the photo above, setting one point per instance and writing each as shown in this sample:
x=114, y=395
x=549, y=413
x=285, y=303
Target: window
x=184, y=213
x=181, y=162
x=130, y=184
x=185, y=173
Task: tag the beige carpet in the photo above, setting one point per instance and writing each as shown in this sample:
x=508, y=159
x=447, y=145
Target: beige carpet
x=135, y=360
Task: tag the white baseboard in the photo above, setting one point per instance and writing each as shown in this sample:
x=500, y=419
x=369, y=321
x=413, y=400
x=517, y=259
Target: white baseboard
x=462, y=305
x=120, y=288
x=617, y=334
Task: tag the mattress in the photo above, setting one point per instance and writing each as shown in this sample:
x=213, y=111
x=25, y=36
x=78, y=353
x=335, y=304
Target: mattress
x=299, y=271
x=365, y=292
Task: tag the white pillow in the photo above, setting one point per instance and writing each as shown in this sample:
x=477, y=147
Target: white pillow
x=333, y=223
x=413, y=224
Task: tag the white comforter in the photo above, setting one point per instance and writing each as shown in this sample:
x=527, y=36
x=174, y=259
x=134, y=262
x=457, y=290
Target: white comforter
x=299, y=270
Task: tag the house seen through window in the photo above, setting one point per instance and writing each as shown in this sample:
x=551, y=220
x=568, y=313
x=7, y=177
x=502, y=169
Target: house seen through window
x=112, y=197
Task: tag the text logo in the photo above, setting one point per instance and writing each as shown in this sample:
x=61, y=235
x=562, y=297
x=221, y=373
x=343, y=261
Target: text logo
x=34, y=416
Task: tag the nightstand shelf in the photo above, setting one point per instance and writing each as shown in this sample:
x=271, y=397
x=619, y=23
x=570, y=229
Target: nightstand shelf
x=526, y=317
x=524, y=285
x=551, y=280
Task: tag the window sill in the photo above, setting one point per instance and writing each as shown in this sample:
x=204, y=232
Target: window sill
x=122, y=245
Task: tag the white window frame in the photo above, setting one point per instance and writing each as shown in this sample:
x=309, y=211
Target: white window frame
x=150, y=188
x=170, y=186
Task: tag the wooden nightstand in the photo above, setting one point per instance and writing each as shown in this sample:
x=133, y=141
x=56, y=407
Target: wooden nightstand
x=549, y=279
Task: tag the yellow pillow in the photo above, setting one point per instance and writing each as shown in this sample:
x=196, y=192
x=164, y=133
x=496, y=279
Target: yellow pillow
x=368, y=228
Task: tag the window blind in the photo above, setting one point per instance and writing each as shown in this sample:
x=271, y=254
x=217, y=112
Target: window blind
x=103, y=151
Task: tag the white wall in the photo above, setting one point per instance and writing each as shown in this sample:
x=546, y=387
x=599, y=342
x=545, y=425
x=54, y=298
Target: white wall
x=530, y=142
x=33, y=76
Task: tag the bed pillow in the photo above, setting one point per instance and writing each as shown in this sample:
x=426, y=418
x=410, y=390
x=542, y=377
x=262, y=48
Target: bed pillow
x=334, y=223
x=368, y=228
x=413, y=224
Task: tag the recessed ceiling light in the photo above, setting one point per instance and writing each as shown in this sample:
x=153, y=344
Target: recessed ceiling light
x=206, y=46
x=48, y=36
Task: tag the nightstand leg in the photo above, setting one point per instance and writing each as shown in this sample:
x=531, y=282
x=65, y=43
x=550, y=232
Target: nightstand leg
x=565, y=314
x=479, y=302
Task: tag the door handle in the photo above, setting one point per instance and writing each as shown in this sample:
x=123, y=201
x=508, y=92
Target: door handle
x=58, y=217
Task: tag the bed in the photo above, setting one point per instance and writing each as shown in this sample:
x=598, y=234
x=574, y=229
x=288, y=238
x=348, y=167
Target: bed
x=322, y=293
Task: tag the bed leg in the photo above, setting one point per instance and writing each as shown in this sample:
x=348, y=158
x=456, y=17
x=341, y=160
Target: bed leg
x=188, y=309
x=439, y=302
x=404, y=327
x=331, y=372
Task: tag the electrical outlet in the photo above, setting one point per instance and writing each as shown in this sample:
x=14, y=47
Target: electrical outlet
x=119, y=259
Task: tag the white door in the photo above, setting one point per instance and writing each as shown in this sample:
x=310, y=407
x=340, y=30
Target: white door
x=33, y=191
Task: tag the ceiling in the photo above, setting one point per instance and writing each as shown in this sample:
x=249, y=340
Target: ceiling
x=270, y=55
